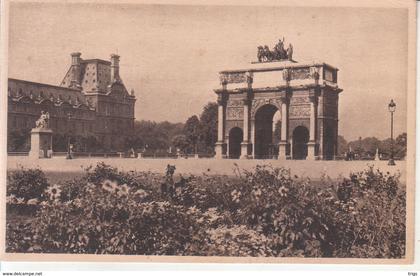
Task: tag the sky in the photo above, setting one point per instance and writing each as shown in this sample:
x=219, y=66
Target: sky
x=171, y=55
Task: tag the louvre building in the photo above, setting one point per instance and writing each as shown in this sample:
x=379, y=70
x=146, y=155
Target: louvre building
x=91, y=108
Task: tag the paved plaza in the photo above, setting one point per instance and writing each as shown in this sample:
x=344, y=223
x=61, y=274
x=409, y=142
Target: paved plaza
x=302, y=168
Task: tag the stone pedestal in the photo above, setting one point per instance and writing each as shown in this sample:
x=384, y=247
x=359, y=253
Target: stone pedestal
x=219, y=148
x=311, y=151
x=282, y=150
x=377, y=155
x=244, y=150
x=41, y=143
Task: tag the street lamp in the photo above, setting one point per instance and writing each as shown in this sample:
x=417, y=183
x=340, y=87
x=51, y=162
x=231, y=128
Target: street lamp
x=391, y=108
x=68, y=156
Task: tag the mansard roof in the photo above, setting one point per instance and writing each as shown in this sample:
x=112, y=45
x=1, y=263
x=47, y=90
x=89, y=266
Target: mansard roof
x=95, y=75
x=40, y=93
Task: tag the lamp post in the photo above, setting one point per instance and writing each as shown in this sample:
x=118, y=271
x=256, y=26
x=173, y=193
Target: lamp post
x=391, y=108
x=68, y=156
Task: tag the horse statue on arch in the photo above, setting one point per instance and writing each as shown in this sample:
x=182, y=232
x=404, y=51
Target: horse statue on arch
x=279, y=52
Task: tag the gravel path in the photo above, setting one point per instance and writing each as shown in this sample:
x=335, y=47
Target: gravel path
x=302, y=168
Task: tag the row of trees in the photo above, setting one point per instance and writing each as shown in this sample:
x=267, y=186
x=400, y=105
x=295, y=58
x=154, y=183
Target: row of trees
x=197, y=135
x=366, y=147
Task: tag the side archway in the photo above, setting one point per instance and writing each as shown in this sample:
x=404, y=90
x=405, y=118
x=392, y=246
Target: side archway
x=236, y=137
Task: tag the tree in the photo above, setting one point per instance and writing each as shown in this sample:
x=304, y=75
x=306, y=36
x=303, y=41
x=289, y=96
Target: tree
x=401, y=146
x=370, y=144
x=342, y=145
x=208, y=127
x=154, y=136
x=133, y=142
x=192, y=132
x=180, y=141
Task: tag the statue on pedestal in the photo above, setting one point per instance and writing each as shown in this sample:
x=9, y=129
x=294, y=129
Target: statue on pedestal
x=41, y=138
x=43, y=121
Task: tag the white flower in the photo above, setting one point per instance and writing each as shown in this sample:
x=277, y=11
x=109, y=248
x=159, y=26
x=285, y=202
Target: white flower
x=192, y=210
x=109, y=186
x=53, y=192
x=123, y=191
x=256, y=192
x=141, y=193
x=32, y=201
x=236, y=195
x=178, y=191
x=20, y=200
x=77, y=202
x=283, y=191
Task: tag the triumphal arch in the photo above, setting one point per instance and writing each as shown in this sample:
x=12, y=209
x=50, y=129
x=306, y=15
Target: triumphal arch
x=305, y=95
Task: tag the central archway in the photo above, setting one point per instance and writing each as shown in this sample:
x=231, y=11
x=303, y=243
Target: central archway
x=264, y=148
x=236, y=137
x=300, y=142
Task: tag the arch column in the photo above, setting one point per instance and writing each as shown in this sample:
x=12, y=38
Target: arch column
x=312, y=144
x=252, y=138
x=245, y=145
x=284, y=144
x=246, y=141
x=220, y=146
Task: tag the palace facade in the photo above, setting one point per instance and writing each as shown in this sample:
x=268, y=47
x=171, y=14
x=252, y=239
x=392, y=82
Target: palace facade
x=91, y=107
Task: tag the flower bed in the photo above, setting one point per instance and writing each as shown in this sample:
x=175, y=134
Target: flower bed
x=264, y=212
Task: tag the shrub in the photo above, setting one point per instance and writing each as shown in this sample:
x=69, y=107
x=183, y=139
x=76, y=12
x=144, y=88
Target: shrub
x=263, y=212
x=26, y=183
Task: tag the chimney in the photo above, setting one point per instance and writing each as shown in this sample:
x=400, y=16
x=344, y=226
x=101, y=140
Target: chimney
x=75, y=70
x=115, y=68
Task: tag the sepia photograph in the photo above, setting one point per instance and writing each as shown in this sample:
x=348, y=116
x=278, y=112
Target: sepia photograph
x=209, y=132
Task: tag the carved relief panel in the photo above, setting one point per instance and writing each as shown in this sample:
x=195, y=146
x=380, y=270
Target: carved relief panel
x=234, y=109
x=233, y=78
x=234, y=113
x=299, y=111
x=299, y=100
x=300, y=74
